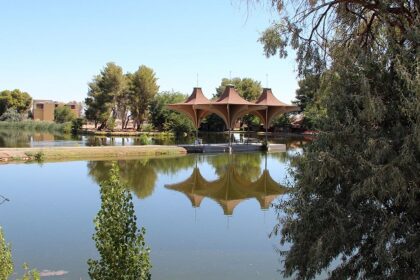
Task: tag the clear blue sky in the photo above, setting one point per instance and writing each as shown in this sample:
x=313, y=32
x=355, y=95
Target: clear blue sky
x=52, y=49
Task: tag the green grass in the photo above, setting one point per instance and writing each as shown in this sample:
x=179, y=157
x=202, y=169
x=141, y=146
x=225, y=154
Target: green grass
x=39, y=126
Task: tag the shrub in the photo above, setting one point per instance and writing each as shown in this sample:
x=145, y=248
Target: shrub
x=77, y=125
x=6, y=267
x=110, y=123
x=144, y=140
x=63, y=114
x=11, y=115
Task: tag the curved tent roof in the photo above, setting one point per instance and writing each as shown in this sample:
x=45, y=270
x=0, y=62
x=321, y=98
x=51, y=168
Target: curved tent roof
x=230, y=106
x=274, y=107
x=189, y=107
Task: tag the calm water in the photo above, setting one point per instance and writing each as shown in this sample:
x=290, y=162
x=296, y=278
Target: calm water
x=207, y=216
x=14, y=138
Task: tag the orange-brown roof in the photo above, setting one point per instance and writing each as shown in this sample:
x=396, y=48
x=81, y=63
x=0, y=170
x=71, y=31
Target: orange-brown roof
x=267, y=98
x=231, y=96
x=196, y=97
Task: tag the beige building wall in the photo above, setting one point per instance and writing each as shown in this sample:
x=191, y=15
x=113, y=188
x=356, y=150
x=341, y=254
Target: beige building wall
x=75, y=108
x=43, y=110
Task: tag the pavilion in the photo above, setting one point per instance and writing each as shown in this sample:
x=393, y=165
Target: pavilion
x=230, y=106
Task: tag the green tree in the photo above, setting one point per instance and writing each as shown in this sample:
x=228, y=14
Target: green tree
x=103, y=93
x=158, y=112
x=169, y=120
x=248, y=88
x=11, y=115
x=356, y=195
x=63, y=114
x=6, y=267
x=142, y=88
x=305, y=94
x=15, y=99
x=121, y=245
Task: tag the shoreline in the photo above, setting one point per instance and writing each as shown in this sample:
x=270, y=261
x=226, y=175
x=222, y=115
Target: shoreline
x=48, y=154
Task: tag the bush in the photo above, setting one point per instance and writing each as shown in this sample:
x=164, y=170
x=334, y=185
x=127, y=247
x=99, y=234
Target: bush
x=77, y=125
x=11, y=115
x=144, y=140
x=147, y=127
x=179, y=124
x=110, y=123
x=63, y=114
x=39, y=126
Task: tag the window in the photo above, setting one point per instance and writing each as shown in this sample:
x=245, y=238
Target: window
x=40, y=106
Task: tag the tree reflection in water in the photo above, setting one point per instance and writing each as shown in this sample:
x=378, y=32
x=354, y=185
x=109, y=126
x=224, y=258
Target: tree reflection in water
x=139, y=175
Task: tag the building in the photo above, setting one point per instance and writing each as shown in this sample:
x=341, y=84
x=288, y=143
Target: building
x=43, y=110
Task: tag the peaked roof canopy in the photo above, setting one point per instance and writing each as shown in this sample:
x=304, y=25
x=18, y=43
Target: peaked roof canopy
x=189, y=106
x=274, y=107
x=230, y=106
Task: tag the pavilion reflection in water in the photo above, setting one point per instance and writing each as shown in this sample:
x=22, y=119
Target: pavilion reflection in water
x=230, y=189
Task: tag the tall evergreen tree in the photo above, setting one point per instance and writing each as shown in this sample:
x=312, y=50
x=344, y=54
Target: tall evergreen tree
x=356, y=197
x=143, y=87
x=103, y=93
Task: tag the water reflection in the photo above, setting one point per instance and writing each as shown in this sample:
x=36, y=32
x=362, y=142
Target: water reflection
x=26, y=138
x=240, y=177
x=230, y=189
x=139, y=175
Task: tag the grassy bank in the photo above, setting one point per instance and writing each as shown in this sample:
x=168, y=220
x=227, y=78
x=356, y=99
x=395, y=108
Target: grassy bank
x=39, y=126
x=85, y=153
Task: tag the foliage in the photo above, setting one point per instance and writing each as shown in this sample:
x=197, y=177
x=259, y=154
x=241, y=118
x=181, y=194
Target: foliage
x=144, y=140
x=110, y=123
x=179, y=125
x=15, y=99
x=308, y=87
x=6, y=267
x=103, y=93
x=165, y=119
x=39, y=126
x=147, y=127
x=356, y=197
x=30, y=274
x=281, y=121
x=142, y=88
x=38, y=156
x=77, y=125
x=248, y=88
x=63, y=114
x=121, y=245
x=213, y=123
x=11, y=115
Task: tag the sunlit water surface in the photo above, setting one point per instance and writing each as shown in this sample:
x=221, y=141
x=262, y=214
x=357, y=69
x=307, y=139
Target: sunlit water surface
x=207, y=216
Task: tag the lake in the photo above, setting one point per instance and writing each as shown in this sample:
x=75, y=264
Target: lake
x=10, y=138
x=206, y=216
